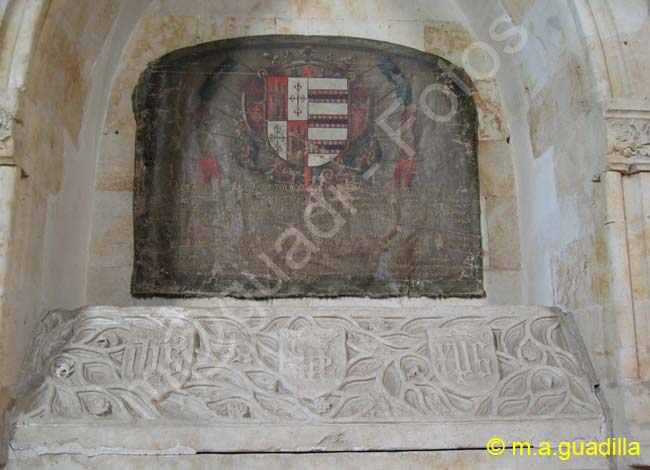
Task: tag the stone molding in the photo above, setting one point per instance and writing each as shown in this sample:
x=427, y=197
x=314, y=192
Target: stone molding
x=628, y=135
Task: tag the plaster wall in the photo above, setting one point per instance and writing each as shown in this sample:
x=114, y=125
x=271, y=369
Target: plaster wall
x=58, y=57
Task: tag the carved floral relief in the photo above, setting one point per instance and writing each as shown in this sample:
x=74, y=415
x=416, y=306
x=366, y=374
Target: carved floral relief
x=194, y=366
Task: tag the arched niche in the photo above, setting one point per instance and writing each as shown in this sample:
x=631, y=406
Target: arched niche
x=314, y=166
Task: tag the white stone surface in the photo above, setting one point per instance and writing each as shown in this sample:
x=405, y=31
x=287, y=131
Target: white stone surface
x=456, y=460
x=182, y=381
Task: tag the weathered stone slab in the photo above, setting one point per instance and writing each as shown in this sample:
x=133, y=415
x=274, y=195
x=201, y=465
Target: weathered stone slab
x=187, y=380
x=457, y=460
x=306, y=166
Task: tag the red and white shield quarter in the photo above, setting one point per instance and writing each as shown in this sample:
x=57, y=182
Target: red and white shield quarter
x=307, y=118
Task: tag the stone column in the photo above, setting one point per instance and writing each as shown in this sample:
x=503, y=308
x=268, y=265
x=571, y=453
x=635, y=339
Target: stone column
x=9, y=177
x=627, y=181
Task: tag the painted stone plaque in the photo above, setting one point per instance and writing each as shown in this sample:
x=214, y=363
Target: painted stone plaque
x=285, y=166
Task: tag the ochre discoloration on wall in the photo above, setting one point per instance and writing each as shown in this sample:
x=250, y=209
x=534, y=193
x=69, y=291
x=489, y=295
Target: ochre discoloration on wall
x=62, y=82
x=447, y=39
x=496, y=174
x=518, y=9
x=490, y=113
x=114, y=173
x=324, y=9
x=503, y=242
x=495, y=169
x=164, y=33
x=317, y=9
x=558, y=109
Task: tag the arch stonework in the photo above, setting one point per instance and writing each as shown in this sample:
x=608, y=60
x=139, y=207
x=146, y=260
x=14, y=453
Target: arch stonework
x=565, y=211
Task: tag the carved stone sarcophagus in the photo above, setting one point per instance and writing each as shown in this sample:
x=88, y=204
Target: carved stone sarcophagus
x=296, y=379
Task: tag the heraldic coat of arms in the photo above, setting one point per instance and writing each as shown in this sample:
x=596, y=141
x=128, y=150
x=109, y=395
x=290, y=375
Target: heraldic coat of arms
x=308, y=113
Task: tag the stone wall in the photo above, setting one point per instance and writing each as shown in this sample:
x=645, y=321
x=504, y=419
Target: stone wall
x=438, y=28
x=55, y=63
x=555, y=226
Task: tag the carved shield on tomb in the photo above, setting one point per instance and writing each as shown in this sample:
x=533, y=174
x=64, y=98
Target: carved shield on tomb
x=312, y=362
x=465, y=361
x=151, y=356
